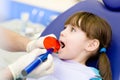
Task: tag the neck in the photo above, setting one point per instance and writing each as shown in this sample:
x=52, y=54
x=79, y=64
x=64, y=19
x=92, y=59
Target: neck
x=82, y=58
x=81, y=61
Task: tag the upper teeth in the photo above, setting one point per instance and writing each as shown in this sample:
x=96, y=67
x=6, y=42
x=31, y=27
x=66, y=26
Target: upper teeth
x=62, y=44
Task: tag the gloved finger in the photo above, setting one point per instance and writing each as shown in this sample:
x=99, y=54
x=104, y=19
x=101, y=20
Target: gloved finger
x=40, y=41
x=45, y=72
x=52, y=35
x=34, y=54
x=43, y=69
x=38, y=51
x=50, y=69
x=31, y=45
x=45, y=65
x=48, y=62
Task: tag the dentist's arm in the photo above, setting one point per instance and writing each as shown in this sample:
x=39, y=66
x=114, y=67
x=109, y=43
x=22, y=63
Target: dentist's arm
x=12, y=41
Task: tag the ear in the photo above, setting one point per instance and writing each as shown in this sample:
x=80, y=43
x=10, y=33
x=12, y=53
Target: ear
x=92, y=45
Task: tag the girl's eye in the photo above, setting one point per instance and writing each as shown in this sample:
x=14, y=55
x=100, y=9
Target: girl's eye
x=73, y=30
x=64, y=27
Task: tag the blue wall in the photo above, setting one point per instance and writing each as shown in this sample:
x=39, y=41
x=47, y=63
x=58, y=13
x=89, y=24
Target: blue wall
x=41, y=15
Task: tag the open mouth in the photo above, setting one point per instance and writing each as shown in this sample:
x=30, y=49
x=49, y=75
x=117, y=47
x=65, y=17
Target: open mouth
x=62, y=44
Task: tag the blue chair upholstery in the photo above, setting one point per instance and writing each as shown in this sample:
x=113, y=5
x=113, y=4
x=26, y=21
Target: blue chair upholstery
x=112, y=5
x=112, y=17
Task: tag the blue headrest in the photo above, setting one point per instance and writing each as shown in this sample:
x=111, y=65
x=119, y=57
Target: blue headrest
x=112, y=17
x=112, y=4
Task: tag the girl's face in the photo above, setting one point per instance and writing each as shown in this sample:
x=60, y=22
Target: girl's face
x=73, y=42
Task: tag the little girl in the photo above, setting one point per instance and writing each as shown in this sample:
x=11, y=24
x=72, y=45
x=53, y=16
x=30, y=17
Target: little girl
x=85, y=35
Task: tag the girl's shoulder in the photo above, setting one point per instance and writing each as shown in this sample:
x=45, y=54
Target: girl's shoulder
x=97, y=74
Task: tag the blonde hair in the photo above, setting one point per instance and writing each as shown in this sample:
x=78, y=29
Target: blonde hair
x=95, y=28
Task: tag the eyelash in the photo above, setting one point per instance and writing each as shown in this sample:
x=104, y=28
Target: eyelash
x=64, y=27
x=73, y=29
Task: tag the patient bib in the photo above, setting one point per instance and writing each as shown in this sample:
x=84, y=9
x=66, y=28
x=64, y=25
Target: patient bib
x=71, y=70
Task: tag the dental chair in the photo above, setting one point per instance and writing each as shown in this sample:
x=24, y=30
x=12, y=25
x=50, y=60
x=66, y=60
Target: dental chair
x=110, y=11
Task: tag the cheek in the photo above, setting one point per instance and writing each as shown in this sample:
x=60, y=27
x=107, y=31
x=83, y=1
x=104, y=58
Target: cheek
x=69, y=52
x=67, y=55
x=72, y=49
x=73, y=46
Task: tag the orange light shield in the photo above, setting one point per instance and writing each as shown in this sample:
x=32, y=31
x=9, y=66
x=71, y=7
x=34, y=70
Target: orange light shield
x=51, y=42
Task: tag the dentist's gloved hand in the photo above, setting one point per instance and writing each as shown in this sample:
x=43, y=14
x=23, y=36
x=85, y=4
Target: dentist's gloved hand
x=43, y=69
x=37, y=43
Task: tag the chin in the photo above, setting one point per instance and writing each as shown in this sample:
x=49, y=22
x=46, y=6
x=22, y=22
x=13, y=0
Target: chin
x=60, y=56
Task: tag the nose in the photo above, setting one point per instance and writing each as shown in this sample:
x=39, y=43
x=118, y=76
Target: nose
x=62, y=33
